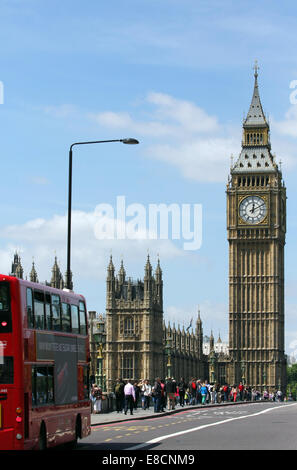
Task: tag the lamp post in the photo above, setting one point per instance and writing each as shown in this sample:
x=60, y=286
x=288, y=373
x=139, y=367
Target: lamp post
x=243, y=371
x=168, y=353
x=212, y=367
x=100, y=340
x=130, y=141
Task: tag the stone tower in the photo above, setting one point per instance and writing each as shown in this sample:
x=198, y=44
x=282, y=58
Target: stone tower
x=57, y=278
x=16, y=267
x=134, y=325
x=256, y=227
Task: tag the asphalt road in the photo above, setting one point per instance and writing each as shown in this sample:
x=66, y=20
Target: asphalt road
x=258, y=426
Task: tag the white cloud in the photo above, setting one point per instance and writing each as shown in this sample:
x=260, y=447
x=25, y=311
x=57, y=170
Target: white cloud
x=182, y=134
x=43, y=238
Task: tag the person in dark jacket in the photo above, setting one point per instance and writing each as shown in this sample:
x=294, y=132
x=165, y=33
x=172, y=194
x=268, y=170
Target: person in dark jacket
x=181, y=390
x=157, y=395
x=171, y=390
x=119, y=394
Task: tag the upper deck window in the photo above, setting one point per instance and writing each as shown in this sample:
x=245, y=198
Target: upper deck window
x=5, y=311
x=82, y=318
x=56, y=312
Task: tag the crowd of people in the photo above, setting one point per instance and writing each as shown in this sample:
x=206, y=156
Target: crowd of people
x=167, y=394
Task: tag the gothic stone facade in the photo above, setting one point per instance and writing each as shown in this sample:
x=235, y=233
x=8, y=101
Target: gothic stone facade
x=137, y=337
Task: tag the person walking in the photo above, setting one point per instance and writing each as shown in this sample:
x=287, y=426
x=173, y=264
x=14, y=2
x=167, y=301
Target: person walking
x=147, y=393
x=234, y=392
x=98, y=399
x=163, y=395
x=193, y=388
x=170, y=390
x=119, y=394
x=241, y=390
x=204, y=392
x=130, y=397
x=198, y=393
x=137, y=393
x=182, y=389
x=157, y=394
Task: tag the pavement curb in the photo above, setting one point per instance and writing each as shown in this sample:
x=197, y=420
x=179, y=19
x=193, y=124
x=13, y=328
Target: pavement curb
x=179, y=410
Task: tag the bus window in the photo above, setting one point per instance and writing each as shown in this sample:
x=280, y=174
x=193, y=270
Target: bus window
x=39, y=310
x=42, y=385
x=74, y=319
x=86, y=382
x=82, y=318
x=6, y=370
x=66, y=320
x=48, y=318
x=4, y=297
x=30, y=314
x=5, y=314
x=56, y=312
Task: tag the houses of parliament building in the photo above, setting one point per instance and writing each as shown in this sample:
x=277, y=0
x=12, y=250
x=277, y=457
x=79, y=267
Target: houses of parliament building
x=138, y=343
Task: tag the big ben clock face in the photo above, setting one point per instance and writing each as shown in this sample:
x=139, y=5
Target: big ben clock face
x=252, y=209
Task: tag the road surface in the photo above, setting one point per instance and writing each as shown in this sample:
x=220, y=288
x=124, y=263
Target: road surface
x=257, y=426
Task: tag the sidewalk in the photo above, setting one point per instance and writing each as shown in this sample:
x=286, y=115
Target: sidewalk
x=139, y=413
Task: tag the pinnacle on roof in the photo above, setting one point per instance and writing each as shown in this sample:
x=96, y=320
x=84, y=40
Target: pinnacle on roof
x=255, y=116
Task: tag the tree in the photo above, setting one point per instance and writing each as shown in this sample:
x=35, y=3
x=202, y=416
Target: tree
x=292, y=380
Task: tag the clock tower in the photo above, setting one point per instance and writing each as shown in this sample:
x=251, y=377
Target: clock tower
x=256, y=227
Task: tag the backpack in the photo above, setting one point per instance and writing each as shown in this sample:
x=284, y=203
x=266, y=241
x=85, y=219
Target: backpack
x=118, y=389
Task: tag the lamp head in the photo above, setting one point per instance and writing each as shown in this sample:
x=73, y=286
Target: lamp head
x=130, y=141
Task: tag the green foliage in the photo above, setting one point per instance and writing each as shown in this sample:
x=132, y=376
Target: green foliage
x=292, y=381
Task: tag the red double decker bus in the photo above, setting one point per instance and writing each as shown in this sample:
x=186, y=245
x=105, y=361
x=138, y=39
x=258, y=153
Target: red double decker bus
x=44, y=366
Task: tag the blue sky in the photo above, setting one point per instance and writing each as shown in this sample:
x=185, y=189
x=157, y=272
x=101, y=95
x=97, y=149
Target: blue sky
x=177, y=76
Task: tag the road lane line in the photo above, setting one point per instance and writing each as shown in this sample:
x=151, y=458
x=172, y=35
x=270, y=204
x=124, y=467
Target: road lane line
x=159, y=439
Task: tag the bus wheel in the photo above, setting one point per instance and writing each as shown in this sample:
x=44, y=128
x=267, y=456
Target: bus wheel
x=42, y=437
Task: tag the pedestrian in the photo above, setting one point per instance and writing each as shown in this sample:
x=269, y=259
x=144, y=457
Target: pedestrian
x=92, y=398
x=241, y=390
x=119, y=394
x=198, y=393
x=170, y=390
x=204, y=392
x=212, y=393
x=157, y=395
x=234, y=393
x=193, y=388
x=279, y=395
x=98, y=399
x=226, y=392
x=163, y=395
x=130, y=397
x=182, y=390
x=137, y=393
x=147, y=393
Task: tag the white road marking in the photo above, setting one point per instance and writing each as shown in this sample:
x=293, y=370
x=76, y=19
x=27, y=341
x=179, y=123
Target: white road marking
x=159, y=439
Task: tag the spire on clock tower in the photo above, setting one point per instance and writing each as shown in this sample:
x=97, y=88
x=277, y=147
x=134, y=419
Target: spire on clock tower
x=255, y=116
x=255, y=156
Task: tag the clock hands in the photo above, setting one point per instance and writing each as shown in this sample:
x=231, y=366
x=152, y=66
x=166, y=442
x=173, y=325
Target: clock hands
x=257, y=207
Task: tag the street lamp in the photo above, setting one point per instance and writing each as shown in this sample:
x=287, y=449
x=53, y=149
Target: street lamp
x=243, y=371
x=129, y=141
x=168, y=353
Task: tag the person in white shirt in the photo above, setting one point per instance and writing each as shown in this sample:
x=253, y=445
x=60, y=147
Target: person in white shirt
x=147, y=393
x=129, y=393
